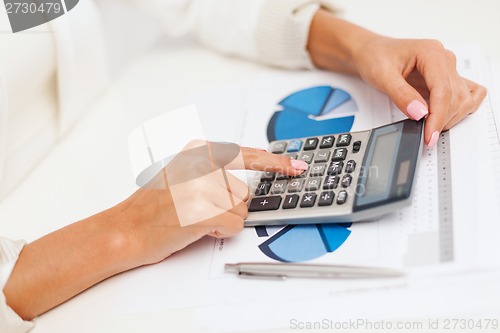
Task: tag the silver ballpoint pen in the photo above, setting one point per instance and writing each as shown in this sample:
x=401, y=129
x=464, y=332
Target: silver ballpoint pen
x=285, y=270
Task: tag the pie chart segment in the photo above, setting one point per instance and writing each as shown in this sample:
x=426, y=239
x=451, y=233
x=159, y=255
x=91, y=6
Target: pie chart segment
x=308, y=101
x=298, y=243
x=291, y=124
x=337, y=98
x=295, y=244
x=334, y=235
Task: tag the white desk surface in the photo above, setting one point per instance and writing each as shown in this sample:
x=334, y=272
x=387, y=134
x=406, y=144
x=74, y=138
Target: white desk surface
x=89, y=171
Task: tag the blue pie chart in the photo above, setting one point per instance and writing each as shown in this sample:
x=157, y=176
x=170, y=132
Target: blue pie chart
x=298, y=243
x=315, y=111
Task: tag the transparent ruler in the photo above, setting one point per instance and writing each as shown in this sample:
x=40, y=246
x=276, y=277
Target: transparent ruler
x=445, y=199
x=444, y=195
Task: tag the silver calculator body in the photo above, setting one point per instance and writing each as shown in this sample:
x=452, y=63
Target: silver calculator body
x=352, y=177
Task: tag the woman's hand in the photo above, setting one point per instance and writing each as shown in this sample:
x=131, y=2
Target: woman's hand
x=409, y=71
x=191, y=197
x=412, y=71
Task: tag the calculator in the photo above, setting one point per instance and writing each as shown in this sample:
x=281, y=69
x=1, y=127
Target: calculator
x=352, y=177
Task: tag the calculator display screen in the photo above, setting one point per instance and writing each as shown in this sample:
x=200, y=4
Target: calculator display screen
x=389, y=165
x=379, y=174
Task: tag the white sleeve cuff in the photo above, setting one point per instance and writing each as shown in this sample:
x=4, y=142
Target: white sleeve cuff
x=283, y=31
x=10, y=322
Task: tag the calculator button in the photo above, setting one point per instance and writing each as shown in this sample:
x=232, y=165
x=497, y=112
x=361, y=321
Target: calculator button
x=322, y=156
x=294, y=146
x=311, y=144
x=267, y=176
x=278, y=147
x=280, y=176
x=342, y=197
x=335, y=168
x=279, y=187
x=327, y=142
x=306, y=157
x=346, y=180
x=262, y=188
x=356, y=146
x=308, y=200
x=292, y=156
x=296, y=185
x=313, y=184
x=318, y=170
x=331, y=182
x=326, y=198
x=339, y=154
x=344, y=140
x=350, y=166
x=291, y=201
x=264, y=203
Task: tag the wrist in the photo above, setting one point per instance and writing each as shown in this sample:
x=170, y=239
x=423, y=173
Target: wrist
x=121, y=237
x=335, y=44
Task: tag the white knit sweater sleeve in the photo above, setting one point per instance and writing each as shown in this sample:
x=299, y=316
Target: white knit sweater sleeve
x=274, y=32
x=10, y=322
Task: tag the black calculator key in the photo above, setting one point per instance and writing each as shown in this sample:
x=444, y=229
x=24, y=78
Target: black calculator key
x=322, y=156
x=306, y=157
x=356, y=146
x=311, y=144
x=342, y=197
x=294, y=146
x=327, y=142
x=291, y=201
x=318, y=170
x=339, y=154
x=326, y=198
x=335, y=168
x=350, y=166
x=267, y=176
x=262, y=188
x=346, y=180
x=264, y=203
x=308, y=200
x=292, y=156
x=279, y=187
x=344, y=140
x=331, y=182
x=278, y=148
x=313, y=184
x=296, y=185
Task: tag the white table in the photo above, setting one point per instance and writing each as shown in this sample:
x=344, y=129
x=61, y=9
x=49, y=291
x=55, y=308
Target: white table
x=89, y=171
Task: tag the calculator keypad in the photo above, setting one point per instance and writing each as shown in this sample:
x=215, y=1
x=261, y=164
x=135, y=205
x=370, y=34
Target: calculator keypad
x=330, y=180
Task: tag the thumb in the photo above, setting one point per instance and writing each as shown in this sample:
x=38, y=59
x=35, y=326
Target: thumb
x=260, y=160
x=406, y=98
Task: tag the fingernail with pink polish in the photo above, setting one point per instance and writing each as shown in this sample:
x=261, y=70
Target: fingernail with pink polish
x=299, y=165
x=417, y=110
x=434, y=139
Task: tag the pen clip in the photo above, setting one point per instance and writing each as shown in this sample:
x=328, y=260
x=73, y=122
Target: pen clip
x=254, y=276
